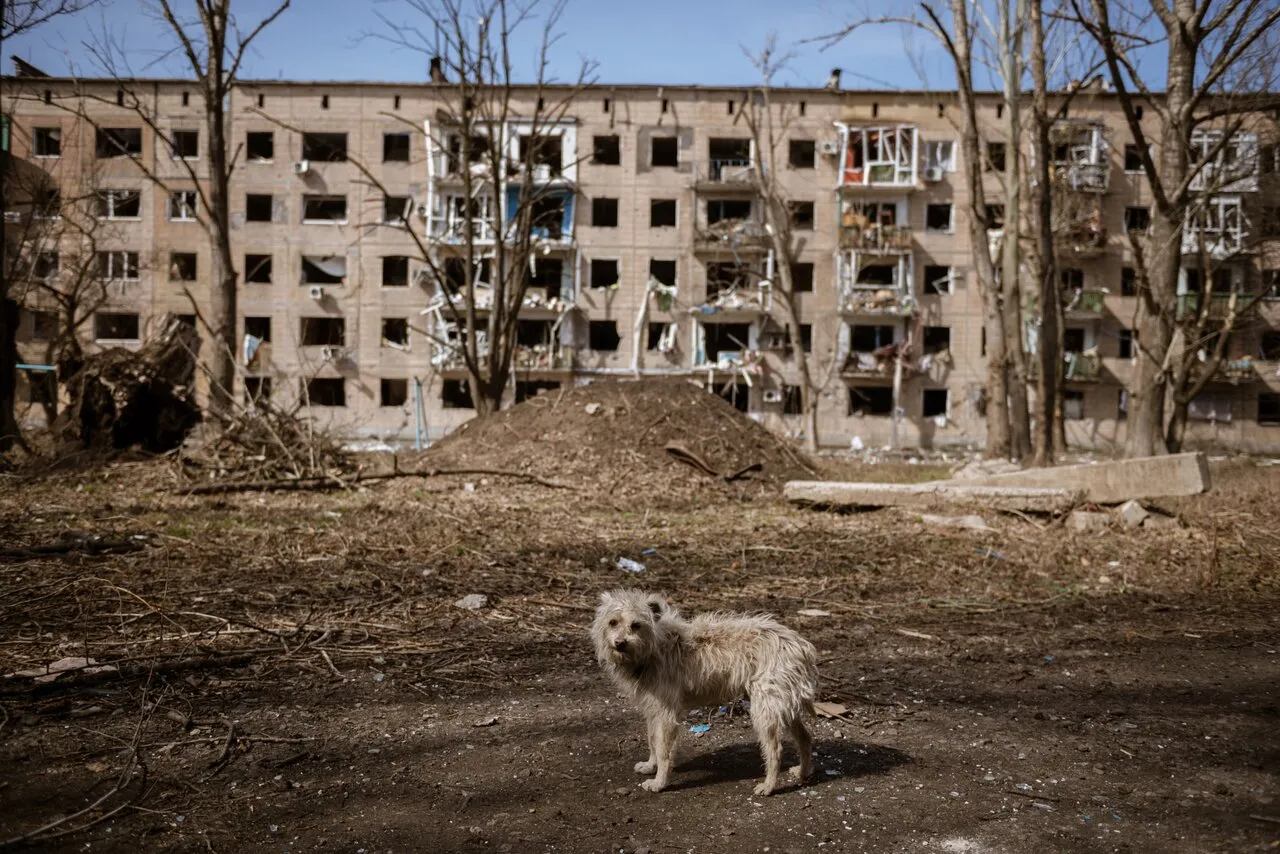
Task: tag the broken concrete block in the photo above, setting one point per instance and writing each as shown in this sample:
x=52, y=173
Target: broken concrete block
x=1132, y=514
x=1118, y=480
x=1084, y=520
x=972, y=522
x=980, y=469
x=1023, y=498
x=1159, y=520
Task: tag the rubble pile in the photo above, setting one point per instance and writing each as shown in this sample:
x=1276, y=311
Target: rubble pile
x=614, y=436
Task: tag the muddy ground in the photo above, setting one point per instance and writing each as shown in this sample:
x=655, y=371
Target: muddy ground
x=292, y=673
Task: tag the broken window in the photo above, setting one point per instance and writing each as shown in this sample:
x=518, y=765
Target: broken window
x=725, y=338
x=720, y=210
x=257, y=269
x=792, y=400
x=995, y=161
x=802, y=277
x=604, y=213
x=526, y=389
x=937, y=279
x=936, y=339
x=879, y=156
x=396, y=209
x=870, y=400
x=119, y=204
x=456, y=394
x=1269, y=408
x=395, y=147
x=47, y=204
x=185, y=144
x=940, y=154
x=935, y=402
x=322, y=331
x=455, y=273
x=802, y=154
x=393, y=392
x=663, y=270
x=547, y=214
x=182, y=205
x=47, y=142
x=995, y=217
x=1132, y=158
x=324, y=147
x=662, y=213
x=395, y=271
x=602, y=336
x=868, y=338
x=1125, y=344
x=1073, y=405
x=46, y=266
x=725, y=277
x=118, y=266
x=1072, y=280
x=1073, y=340
x=477, y=148
x=1137, y=219
x=110, y=326
x=664, y=151
x=656, y=333
x=260, y=146
x=534, y=333
x=118, y=142
x=878, y=274
x=325, y=391
x=257, y=389
x=324, y=208
x=801, y=215
x=324, y=269
x=395, y=331
x=547, y=275
x=1211, y=406
x=182, y=266
x=727, y=157
x=1128, y=282
x=737, y=394
x=542, y=150
x=604, y=272
x=606, y=150
x=258, y=327
x=257, y=207
x=938, y=217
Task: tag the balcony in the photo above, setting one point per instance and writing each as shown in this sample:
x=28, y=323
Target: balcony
x=732, y=235
x=723, y=174
x=1086, y=305
x=1080, y=156
x=1237, y=371
x=1077, y=367
x=876, y=238
x=880, y=287
x=1224, y=167
x=878, y=156
x=1219, y=306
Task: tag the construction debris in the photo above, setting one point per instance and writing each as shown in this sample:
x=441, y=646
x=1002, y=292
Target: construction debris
x=1028, y=499
x=1115, y=481
x=1088, y=520
x=1132, y=514
x=971, y=522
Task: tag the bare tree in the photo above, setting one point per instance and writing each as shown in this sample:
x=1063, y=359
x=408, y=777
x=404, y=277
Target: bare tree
x=1220, y=65
x=1050, y=328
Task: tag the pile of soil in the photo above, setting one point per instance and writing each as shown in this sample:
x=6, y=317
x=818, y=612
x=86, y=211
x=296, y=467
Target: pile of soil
x=613, y=436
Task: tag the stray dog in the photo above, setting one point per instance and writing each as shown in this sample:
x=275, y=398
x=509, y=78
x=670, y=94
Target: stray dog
x=670, y=665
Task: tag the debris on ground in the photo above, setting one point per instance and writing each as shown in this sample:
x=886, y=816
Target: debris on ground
x=971, y=522
x=1030, y=499
x=1109, y=482
x=1132, y=514
x=626, y=564
x=1088, y=520
x=472, y=601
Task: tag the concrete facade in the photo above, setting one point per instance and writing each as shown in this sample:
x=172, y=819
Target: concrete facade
x=877, y=233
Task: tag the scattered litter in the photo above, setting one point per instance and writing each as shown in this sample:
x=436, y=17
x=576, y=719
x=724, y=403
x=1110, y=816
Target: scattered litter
x=1113, y=563
x=1049, y=659
x=472, y=601
x=52, y=671
x=813, y=612
x=626, y=564
x=1022, y=787
x=831, y=772
x=855, y=444
x=699, y=729
x=332, y=514
x=468, y=487
x=648, y=552
x=1042, y=806
x=824, y=709
x=489, y=721
x=592, y=408
x=912, y=633
x=988, y=553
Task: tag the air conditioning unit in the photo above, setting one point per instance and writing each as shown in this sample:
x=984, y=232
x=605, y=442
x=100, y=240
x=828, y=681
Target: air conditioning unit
x=316, y=292
x=829, y=147
x=301, y=167
x=933, y=174
x=332, y=354
x=772, y=395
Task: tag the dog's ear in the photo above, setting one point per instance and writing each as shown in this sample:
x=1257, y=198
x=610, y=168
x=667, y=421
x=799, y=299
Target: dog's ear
x=606, y=596
x=657, y=606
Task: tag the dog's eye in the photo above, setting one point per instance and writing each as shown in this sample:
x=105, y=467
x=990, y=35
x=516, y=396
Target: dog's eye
x=635, y=627
x=613, y=624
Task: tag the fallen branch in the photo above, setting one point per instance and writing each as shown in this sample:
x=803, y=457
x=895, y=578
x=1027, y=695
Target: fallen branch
x=322, y=484
x=86, y=545
x=699, y=462
x=80, y=679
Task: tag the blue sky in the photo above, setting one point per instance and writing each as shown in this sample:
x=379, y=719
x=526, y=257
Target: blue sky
x=658, y=41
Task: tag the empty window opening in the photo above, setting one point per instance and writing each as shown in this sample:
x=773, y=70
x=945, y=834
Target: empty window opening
x=935, y=339
x=662, y=213
x=995, y=217
x=118, y=266
x=108, y=326
x=878, y=274
x=323, y=331
x=1072, y=279
x=1125, y=344
x=802, y=154
x=186, y=144
x=602, y=336
x=728, y=151
x=546, y=214
x=542, y=150
x=118, y=142
x=48, y=142
x=324, y=102
x=606, y=150
x=324, y=269
x=395, y=332
x=393, y=392
x=802, y=215
x=1128, y=282
x=657, y=332
x=477, y=148
x=395, y=147
x=395, y=209
x=456, y=394
x=724, y=277
x=257, y=269
x=937, y=279
x=262, y=101
x=119, y=97
x=604, y=213
x=46, y=266
x=526, y=389
x=995, y=161
x=792, y=400
x=182, y=266
x=604, y=272
x=1137, y=219
x=1073, y=405
x=1269, y=408
x=455, y=274
x=802, y=277
x=870, y=400
x=258, y=327
x=719, y=210
x=738, y=394
x=663, y=270
x=665, y=105
x=548, y=276
x=48, y=96
x=606, y=105
x=730, y=110
x=119, y=204
x=395, y=102
x=189, y=319
x=1132, y=158
x=942, y=111
x=257, y=207
x=324, y=147
x=935, y=402
x=395, y=271
x=44, y=325
x=1073, y=340
x=664, y=151
x=326, y=391
x=182, y=205
x=1137, y=112
x=260, y=146
x=937, y=217
x=867, y=338
x=802, y=106
x=999, y=111
x=534, y=333
x=725, y=338
x=1211, y=406
x=324, y=208
x=875, y=109
x=42, y=388
x=1269, y=345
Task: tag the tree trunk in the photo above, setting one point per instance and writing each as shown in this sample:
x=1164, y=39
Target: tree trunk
x=8, y=368
x=1048, y=353
x=1177, y=428
x=1010, y=280
x=222, y=275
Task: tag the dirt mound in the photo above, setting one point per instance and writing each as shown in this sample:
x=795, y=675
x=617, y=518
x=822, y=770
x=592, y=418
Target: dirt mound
x=614, y=435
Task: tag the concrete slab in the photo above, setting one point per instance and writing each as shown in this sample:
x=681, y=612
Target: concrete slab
x=1116, y=481
x=1084, y=520
x=1030, y=499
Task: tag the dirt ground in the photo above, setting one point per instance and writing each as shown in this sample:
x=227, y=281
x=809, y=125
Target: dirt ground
x=292, y=674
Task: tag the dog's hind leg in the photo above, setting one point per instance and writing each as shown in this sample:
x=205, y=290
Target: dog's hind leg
x=804, y=746
x=666, y=729
x=651, y=764
x=769, y=732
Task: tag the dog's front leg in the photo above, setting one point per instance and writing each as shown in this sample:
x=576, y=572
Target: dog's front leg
x=666, y=729
x=651, y=764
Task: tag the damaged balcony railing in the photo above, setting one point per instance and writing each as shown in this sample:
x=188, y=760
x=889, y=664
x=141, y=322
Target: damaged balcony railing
x=732, y=234
x=1237, y=370
x=877, y=363
x=876, y=237
x=724, y=170
x=1077, y=367
x=876, y=299
x=1087, y=303
x=1220, y=305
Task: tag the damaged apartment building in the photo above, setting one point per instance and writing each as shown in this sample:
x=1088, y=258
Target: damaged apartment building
x=650, y=257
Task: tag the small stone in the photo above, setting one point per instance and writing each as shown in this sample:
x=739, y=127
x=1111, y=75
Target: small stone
x=1084, y=520
x=1132, y=514
x=592, y=408
x=1158, y=520
x=472, y=602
